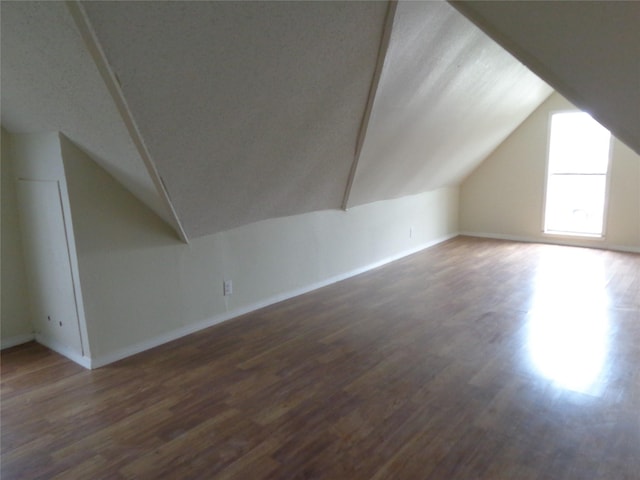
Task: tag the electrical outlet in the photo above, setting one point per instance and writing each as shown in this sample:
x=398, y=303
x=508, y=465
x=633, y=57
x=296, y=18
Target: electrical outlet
x=227, y=287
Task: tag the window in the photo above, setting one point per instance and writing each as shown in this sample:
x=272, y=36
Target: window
x=576, y=175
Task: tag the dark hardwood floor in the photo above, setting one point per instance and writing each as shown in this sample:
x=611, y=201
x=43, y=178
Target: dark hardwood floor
x=473, y=359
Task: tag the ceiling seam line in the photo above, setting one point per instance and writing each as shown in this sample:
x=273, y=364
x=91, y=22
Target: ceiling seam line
x=373, y=89
x=112, y=83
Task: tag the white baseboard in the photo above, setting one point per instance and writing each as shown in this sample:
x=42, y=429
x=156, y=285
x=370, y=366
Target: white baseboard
x=624, y=248
x=111, y=357
x=570, y=242
x=64, y=351
x=16, y=340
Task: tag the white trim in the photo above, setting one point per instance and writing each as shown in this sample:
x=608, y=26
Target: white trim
x=64, y=351
x=371, y=96
x=16, y=340
x=69, y=241
x=570, y=242
x=547, y=175
x=139, y=347
x=112, y=83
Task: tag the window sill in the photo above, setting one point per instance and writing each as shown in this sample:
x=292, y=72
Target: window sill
x=590, y=236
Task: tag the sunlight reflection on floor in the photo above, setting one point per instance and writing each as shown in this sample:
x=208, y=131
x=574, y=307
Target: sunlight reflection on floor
x=568, y=330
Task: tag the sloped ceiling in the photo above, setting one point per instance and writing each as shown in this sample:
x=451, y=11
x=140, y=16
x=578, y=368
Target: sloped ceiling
x=448, y=95
x=250, y=109
x=255, y=110
x=50, y=83
x=589, y=51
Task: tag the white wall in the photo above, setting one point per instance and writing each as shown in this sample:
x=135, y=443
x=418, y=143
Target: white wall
x=504, y=196
x=37, y=157
x=142, y=287
x=15, y=317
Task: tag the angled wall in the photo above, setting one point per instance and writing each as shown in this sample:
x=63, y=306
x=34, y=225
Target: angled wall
x=47, y=240
x=504, y=196
x=142, y=287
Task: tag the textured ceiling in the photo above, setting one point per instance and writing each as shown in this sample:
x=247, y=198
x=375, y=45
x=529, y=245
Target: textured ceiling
x=255, y=110
x=448, y=95
x=250, y=110
x=588, y=51
x=50, y=83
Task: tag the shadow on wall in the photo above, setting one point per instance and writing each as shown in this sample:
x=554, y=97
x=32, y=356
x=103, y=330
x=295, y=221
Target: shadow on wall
x=105, y=215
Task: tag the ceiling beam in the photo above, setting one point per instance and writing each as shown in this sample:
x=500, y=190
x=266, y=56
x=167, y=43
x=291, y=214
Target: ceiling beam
x=113, y=86
x=373, y=89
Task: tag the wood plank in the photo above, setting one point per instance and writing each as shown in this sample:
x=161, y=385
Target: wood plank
x=431, y=367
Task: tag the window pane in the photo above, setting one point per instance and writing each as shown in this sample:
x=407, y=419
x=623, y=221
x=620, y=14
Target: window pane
x=575, y=203
x=578, y=144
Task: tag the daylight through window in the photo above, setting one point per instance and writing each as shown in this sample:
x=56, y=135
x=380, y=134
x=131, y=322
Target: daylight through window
x=576, y=175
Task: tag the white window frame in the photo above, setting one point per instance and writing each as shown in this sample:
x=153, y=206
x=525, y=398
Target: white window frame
x=558, y=234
